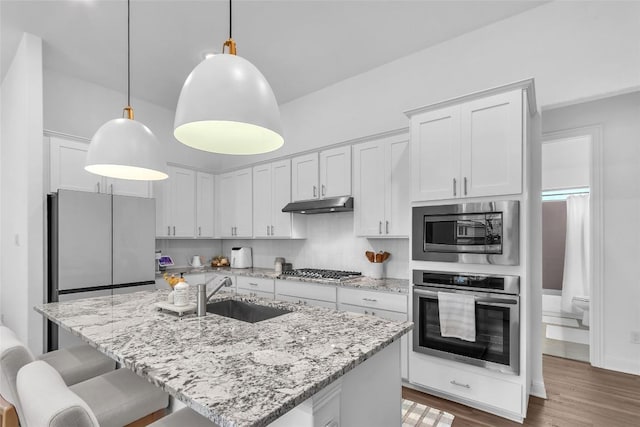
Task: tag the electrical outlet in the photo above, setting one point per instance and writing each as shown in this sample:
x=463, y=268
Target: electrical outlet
x=635, y=337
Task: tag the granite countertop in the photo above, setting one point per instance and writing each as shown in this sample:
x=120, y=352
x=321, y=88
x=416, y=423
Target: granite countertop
x=363, y=282
x=232, y=372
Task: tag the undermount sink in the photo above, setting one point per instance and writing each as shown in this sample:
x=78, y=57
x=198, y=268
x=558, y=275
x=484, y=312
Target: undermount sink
x=245, y=311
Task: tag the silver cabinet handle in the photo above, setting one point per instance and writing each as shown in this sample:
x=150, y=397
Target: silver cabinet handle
x=314, y=191
x=454, y=382
x=387, y=226
x=272, y=230
x=199, y=231
x=465, y=185
x=268, y=230
x=253, y=284
x=168, y=230
x=369, y=299
x=98, y=184
x=324, y=189
x=454, y=187
x=380, y=227
x=174, y=230
x=111, y=188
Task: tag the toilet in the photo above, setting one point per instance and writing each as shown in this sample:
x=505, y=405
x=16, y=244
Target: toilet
x=581, y=305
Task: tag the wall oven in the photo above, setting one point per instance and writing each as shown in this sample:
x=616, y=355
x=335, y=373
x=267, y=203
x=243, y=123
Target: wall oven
x=481, y=233
x=497, y=319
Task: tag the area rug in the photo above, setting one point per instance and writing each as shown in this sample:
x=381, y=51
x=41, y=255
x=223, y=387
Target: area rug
x=418, y=415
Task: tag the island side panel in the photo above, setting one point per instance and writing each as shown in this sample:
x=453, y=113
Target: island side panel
x=372, y=393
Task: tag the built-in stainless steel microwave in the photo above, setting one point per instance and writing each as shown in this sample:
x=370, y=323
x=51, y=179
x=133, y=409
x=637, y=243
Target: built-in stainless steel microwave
x=475, y=233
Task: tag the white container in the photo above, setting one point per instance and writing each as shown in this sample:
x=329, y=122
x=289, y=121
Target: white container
x=181, y=294
x=376, y=270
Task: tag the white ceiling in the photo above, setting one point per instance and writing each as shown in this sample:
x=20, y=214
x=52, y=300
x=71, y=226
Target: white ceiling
x=300, y=46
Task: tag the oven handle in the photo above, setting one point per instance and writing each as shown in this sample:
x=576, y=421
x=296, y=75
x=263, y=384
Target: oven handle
x=478, y=299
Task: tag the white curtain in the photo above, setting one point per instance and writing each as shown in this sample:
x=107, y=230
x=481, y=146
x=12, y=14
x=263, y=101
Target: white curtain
x=576, y=280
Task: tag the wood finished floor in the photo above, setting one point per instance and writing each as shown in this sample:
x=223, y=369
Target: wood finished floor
x=578, y=395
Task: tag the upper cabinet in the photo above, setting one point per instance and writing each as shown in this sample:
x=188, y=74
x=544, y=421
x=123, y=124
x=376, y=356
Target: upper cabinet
x=381, y=187
x=235, y=204
x=271, y=192
x=204, y=204
x=321, y=175
x=175, y=204
x=67, y=159
x=468, y=149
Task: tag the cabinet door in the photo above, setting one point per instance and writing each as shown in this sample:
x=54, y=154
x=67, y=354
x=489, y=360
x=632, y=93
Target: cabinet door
x=304, y=177
x=281, y=195
x=243, y=203
x=491, y=145
x=67, y=159
x=335, y=172
x=435, y=154
x=127, y=187
x=204, y=204
x=183, y=202
x=397, y=209
x=226, y=207
x=369, y=188
x=262, y=200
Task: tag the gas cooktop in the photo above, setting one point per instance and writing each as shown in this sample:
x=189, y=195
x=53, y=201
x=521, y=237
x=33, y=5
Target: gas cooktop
x=315, y=273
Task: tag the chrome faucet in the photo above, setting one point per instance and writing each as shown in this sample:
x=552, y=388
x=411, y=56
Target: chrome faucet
x=203, y=298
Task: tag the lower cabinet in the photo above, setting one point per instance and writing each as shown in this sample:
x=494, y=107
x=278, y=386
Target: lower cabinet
x=306, y=293
x=383, y=304
x=455, y=381
x=255, y=286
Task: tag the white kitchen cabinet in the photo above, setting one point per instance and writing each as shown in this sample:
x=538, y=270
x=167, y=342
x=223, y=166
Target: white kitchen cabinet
x=390, y=306
x=235, y=204
x=66, y=163
x=255, y=286
x=321, y=175
x=381, y=187
x=306, y=293
x=470, y=149
x=175, y=204
x=271, y=193
x=335, y=172
x=204, y=205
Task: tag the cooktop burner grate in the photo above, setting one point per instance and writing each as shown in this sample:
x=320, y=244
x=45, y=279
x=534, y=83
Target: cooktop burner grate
x=316, y=273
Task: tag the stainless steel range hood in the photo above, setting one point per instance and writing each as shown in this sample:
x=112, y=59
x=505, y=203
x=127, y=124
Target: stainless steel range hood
x=334, y=204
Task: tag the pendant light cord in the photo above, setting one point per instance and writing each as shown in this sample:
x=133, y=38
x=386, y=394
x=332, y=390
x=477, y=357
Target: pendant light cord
x=230, y=19
x=129, y=53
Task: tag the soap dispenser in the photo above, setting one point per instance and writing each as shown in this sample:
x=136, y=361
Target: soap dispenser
x=181, y=293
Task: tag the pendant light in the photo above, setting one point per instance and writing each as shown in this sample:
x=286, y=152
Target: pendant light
x=226, y=106
x=125, y=148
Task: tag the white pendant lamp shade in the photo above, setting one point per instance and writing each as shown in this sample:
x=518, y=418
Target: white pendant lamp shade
x=126, y=149
x=227, y=106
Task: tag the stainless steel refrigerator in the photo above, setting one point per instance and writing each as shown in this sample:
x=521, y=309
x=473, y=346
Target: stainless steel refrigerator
x=98, y=244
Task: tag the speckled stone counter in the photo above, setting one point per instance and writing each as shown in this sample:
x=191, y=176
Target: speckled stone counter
x=385, y=285
x=232, y=372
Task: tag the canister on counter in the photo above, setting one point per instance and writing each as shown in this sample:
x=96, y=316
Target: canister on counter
x=277, y=265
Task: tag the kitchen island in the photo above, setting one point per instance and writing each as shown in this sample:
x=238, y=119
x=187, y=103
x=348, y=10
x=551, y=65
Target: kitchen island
x=305, y=367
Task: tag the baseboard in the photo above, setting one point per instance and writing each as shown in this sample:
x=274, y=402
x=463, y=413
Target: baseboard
x=628, y=366
x=538, y=389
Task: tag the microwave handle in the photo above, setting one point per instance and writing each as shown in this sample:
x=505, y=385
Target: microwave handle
x=478, y=300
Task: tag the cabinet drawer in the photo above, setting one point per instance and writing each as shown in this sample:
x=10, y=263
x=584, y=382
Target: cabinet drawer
x=385, y=314
x=306, y=290
x=253, y=293
x=372, y=299
x=255, y=284
x=472, y=386
x=306, y=301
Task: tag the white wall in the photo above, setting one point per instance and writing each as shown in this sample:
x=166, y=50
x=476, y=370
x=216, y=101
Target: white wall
x=76, y=107
x=618, y=117
x=22, y=196
x=574, y=50
x=566, y=163
x=330, y=243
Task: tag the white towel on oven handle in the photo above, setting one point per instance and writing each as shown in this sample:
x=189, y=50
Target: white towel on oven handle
x=457, y=315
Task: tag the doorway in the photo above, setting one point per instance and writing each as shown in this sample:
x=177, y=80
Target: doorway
x=569, y=187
